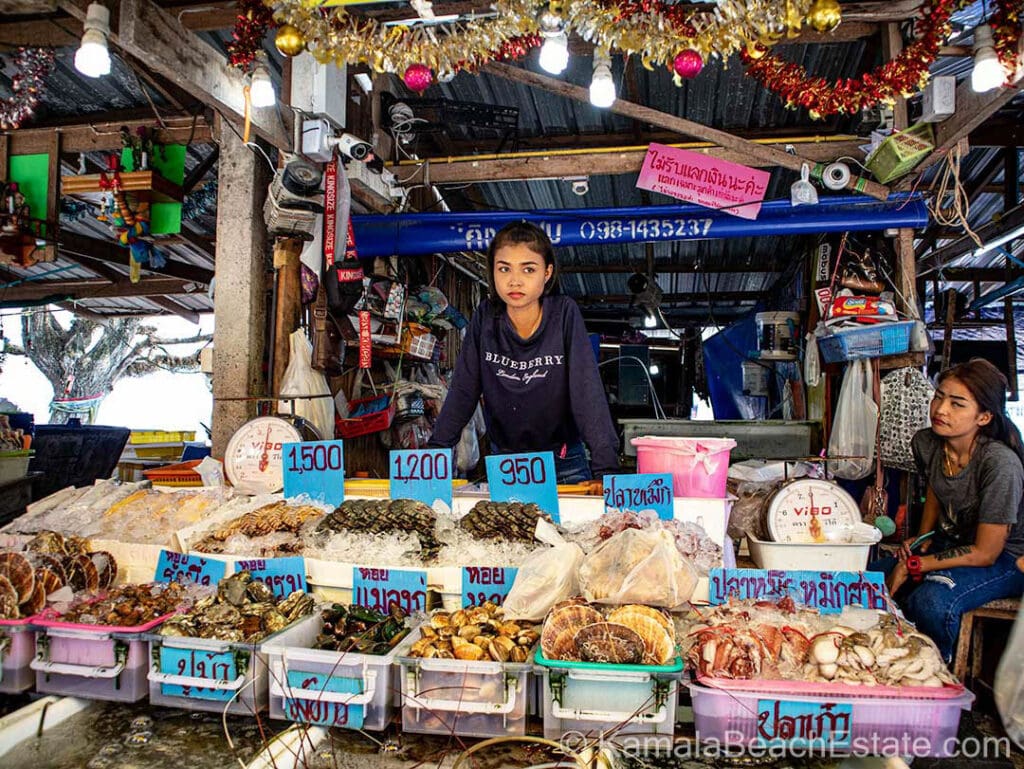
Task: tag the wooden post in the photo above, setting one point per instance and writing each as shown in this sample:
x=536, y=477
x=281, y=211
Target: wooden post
x=1011, y=348
x=49, y=252
x=947, y=332
x=239, y=301
x=288, y=285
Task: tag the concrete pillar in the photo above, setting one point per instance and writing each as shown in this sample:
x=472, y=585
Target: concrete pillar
x=240, y=295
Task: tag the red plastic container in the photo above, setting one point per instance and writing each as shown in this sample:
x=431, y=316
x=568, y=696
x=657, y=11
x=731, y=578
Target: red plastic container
x=368, y=423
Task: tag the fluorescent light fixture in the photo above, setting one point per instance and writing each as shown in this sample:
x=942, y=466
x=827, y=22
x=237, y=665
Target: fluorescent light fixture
x=261, y=88
x=364, y=81
x=602, y=86
x=988, y=70
x=1006, y=237
x=92, y=58
x=554, y=54
x=417, y=21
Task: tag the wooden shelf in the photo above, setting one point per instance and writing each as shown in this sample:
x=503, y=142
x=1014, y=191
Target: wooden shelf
x=142, y=185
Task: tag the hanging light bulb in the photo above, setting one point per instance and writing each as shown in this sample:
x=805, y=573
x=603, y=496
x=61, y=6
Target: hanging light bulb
x=602, y=86
x=92, y=58
x=650, y=321
x=655, y=369
x=554, y=54
x=261, y=88
x=988, y=70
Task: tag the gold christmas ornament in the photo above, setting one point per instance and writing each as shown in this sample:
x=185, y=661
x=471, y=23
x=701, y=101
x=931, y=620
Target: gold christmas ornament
x=289, y=41
x=825, y=15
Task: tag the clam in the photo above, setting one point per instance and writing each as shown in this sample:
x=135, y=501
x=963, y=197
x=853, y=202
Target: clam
x=609, y=642
x=440, y=619
x=18, y=570
x=47, y=561
x=519, y=654
x=49, y=542
x=501, y=648
x=468, y=651
x=458, y=618
x=469, y=632
x=82, y=573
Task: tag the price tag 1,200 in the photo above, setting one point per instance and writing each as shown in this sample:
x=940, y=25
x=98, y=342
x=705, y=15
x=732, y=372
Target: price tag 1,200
x=379, y=588
x=486, y=583
x=282, y=575
x=524, y=478
x=315, y=468
x=178, y=567
x=422, y=474
x=643, y=491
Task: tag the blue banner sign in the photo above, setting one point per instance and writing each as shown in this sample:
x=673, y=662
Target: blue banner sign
x=178, y=567
x=317, y=711
x=643, y=491
x=814, y=725
x=197, y=663
x=827, y=591
x=379, y=588
x=282, y=575
x=486, y=583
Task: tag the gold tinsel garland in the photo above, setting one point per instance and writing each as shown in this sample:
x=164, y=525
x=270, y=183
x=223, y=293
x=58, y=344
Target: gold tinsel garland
x=331, y=34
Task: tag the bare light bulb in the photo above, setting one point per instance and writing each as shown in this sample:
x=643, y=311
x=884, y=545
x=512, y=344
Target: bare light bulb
x=650, y=321
x=554, y=54
x=988, y=70
x=92, y=58
x=261, y=88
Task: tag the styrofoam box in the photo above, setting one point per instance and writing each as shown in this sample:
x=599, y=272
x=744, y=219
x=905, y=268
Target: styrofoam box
x=903, y=726
x=829, y=556
x=328, y=688
x=136, y=562
x=623, y=702
x=221, y=676
x=17, y=648
x=95, y=665
x=468, y=699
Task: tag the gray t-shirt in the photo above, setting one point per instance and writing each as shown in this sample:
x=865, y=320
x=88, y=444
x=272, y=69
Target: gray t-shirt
x=989, y=490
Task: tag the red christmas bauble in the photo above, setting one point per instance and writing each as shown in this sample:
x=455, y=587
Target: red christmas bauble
x=418, y=77
x=688, y=63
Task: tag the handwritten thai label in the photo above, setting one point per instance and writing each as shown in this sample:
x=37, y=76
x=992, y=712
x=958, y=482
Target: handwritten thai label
x=422, y=474
x=827, y=591
x=315, y=468
x=706, y=181
x=643, y=491
x=178, y=567
x=379, y=588
x=314, y=710
x=365, y=340
x=282, y=575
x=196, y=663
x=524, y=478
x=486, y=583
x=804, y=724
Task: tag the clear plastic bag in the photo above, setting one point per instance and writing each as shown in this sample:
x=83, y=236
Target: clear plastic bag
x=638, y=566
x=853, y=431
x=300, y=379
x=545, y=578
x=1009, y=686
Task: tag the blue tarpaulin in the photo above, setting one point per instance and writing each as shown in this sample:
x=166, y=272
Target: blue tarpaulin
x=412, y=234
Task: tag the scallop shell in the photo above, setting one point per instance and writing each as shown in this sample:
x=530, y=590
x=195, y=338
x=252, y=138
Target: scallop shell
x=609, y=642
x=36, y=602
x=575, y=601
x=50, y=581
x=18, y=570
x=658, y=646
x=8, y=600
x=647, y=611
x=82, y=573
x=49, y=542
x=47, y=561
x=571, y=617
x=106, y=566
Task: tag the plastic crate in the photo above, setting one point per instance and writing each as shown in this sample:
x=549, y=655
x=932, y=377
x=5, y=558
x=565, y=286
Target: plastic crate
x=181, y=474
x=871, y=342
x=327, y=688
x=593, y=698
x=95, y=662
x=161, y=436
x=897, y=155
x=367, y=424
x=825, y=556
x=866, y=724
x=17, y=648
x=468, y=699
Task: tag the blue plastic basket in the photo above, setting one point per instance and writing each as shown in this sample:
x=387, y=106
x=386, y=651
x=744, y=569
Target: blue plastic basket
x=870, y=342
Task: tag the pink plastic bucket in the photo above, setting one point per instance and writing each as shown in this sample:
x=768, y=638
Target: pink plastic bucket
x=699, y=466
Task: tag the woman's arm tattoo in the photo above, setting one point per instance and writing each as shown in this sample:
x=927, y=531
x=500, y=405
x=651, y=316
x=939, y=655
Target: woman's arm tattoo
x=954, y=552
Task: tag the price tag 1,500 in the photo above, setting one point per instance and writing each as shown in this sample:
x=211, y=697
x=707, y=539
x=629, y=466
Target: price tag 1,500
x=316, y=468
x=177, y=567
x=422, y=474
x=524, y=478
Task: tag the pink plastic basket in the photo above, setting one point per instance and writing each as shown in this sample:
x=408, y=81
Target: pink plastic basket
x=699, y=466
x=830, y=689
x=17, y=648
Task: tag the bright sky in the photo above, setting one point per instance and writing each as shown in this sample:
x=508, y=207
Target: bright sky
x=160, y=401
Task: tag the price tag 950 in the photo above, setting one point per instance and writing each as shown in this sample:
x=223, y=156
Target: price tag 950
x=315, y=468
x=422, y=474
x=524, y=478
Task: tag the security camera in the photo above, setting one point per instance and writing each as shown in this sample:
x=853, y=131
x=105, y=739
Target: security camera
x=354, y=147
x=581, y=187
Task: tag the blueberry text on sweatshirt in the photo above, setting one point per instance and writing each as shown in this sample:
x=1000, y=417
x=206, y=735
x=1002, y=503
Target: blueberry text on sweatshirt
x=539, y=394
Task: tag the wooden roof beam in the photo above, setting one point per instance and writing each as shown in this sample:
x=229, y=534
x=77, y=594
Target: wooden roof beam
x=94, y=250
x=940, y=257
x=78, y=290
x=104, y=136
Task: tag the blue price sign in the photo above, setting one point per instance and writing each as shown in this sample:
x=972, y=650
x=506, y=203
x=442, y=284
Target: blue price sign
x=486, y=583
x=197, y=663
x=816, y=725
x=422, y=474
x=827, y=591
x=316, y=468
x=379, y=588
x=282, y=575
x=178, y=567
x=323, y=710
x=524, y=478
x=644, y=491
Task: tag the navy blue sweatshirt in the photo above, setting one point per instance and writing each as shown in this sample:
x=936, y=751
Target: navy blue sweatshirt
x=539, y=394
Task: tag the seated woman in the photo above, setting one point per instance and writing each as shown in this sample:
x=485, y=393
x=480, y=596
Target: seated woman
x=973, y=460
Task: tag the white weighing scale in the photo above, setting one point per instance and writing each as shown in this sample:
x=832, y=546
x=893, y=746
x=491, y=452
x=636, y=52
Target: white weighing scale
x=254, y=460
x=806, y=510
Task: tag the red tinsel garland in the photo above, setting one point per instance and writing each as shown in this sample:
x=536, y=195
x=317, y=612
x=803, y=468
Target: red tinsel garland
x=33, y=66
x=1006, y=31
x=677, y=15
x=251, y=25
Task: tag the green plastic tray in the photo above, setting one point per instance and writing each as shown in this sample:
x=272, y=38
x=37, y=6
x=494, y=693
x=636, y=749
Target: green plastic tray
x=538, y=657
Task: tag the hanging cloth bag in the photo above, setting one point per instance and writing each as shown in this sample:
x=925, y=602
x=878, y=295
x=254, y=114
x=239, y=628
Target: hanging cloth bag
x=905, y=398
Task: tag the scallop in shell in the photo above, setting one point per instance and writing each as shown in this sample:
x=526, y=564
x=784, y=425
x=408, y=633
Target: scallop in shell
x=18, y=570
x=47, y=561
x=49, y=542
x=50, y=581
x=647, y=611
x=82, y=573
x=556, y=638
x=36, y=602
x=658, y=646
x=106, y=567
x=8, y=600
x=609, y=642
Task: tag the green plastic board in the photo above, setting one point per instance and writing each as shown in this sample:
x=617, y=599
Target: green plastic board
x=32, y=173
x=169, y=162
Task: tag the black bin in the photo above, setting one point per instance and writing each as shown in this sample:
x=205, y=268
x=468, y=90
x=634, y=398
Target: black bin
x=75, y=456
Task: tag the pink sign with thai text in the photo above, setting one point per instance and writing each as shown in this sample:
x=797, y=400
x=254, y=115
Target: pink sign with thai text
x=696, y=178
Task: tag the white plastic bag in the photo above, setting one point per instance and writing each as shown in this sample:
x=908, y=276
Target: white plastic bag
x=1009, y=686
x=301, y=379
x=638, y=566
x=545, y=578
x=853, y=430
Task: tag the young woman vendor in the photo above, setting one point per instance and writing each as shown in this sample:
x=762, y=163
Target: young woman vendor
x=973, y=460
x=527, y=353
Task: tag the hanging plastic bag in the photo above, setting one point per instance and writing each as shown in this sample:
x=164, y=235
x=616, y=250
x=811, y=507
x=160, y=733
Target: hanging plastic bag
x=1009, y=686
x=853, y=430
x=812, y=362
x=301, y=379
x=544, y=578
x=906, y=397
x=638, y=566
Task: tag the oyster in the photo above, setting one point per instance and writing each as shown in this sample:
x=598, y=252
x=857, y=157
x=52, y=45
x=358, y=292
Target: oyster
x=503, y=520
x=233, y=589
x=609, y=642
x=259, y=592
x=298, y=604
x=556, y=638
x=18, y=570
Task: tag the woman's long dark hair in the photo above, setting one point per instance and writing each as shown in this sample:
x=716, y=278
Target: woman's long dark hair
x=534, y=238
x=988, y=386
